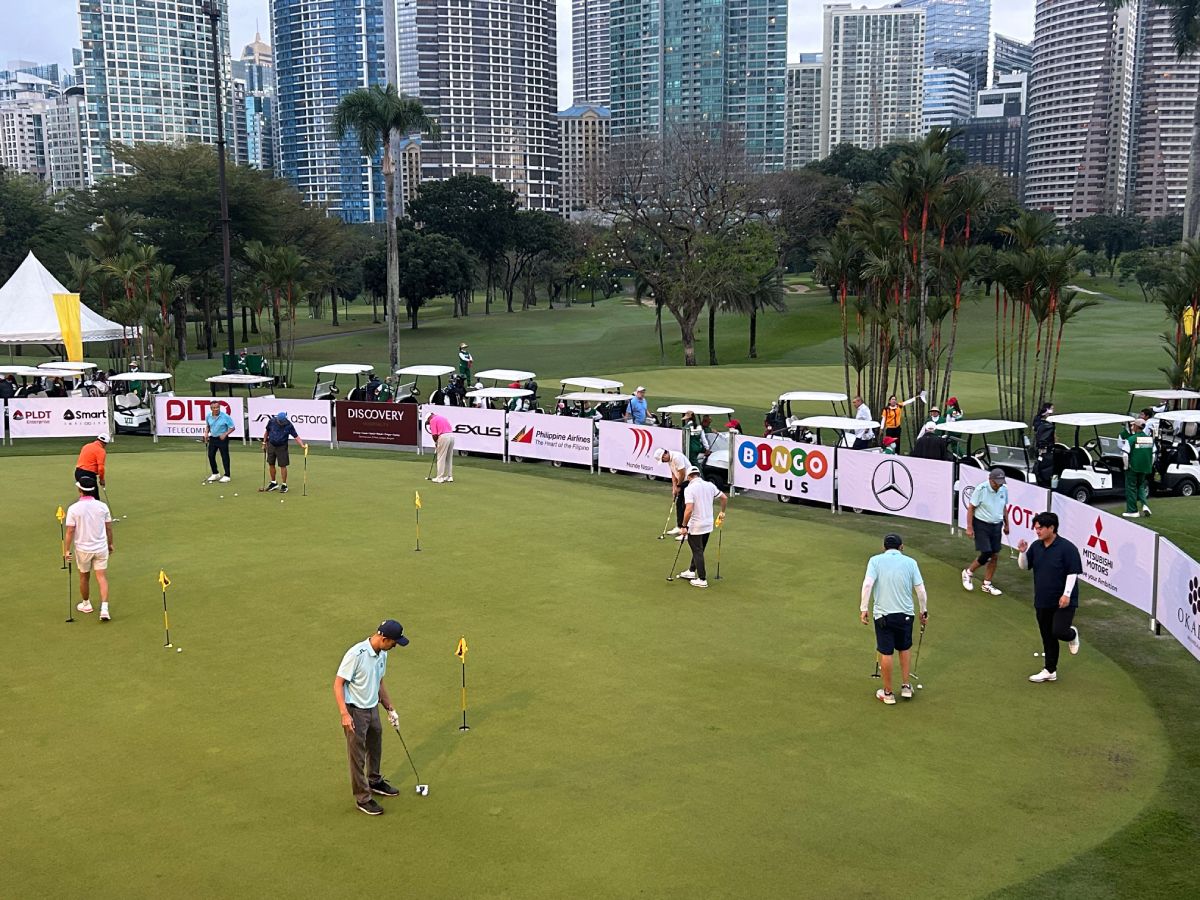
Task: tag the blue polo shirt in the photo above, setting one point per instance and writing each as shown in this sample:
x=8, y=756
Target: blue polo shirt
x=278, y=431
x=363, y=669
x=637, y=410
x=895, y=576
x=990, y=505
x=219, y=424
x=1051, y=566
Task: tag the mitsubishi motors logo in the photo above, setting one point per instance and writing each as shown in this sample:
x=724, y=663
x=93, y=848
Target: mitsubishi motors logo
x=642, y=442
x=1095, y=541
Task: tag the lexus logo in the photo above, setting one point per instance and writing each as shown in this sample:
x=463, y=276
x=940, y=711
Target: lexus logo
x=892, y=485
x=642, y=440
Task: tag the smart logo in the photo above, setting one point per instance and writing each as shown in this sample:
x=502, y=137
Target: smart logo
x=793, y=461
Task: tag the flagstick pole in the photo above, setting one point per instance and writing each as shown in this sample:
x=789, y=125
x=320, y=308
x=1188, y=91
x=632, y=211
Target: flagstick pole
x=166, y=622
x=417, y=549
x=464, y=726
x=62, y=536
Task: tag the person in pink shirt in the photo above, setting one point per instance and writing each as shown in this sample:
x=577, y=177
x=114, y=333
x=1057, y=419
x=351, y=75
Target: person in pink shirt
x=443, y=440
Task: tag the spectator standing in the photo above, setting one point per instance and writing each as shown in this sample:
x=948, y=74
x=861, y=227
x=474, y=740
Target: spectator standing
x=987, y=516
x=892, y=578
x=442, y=432
x=893, y=416
x=91, y=461
x=465, y=361
x=89, y=530
x=865, y=435
x=218, y=426
x=636, y=411
x=698, y=522
x=8, y=388
x=1056, y=567
x=1137, y=450
x=275, y=445
x=1043, y=441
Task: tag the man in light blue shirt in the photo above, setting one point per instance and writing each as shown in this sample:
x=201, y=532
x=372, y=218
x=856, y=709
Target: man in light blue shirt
x=987, y=515
x=636, y=413
x=218, y=426
x=892, y=578
x=358, y=689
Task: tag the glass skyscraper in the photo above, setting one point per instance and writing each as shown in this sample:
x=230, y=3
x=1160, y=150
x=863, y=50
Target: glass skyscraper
x=957, y=34
x=324, y=49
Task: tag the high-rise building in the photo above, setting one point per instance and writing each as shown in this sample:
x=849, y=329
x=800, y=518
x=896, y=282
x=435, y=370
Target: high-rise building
x=42, y=127
x=803, y=136
x=956, y=35
x=66, y=151
x=324, y=49
x=947, y=100
x=590, y=53
x=1080, y=108
x=45, y=71
x=584, y=131
x=696, y=64
x=997, y=143
x=148, y=75
x=486, y=71
x=1164, y=118
x=872, y=80
x=1006, y=97
x=254, y=105
x=1011, y=55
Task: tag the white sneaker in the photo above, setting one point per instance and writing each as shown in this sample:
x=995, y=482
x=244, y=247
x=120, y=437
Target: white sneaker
x=1132, y=515
x=885, y=697
x=449, y=479
x=966, y=580
x=1043, y=676
x=438, y=480
x=674, y=530
x=104, y=616
x=687, y=574
x=989, y=588
x=224, y=479
x=212, y=479
x=906, y=691
x=699, y=582
x=1146, y=510
x=1073, y=646
x=84, y=606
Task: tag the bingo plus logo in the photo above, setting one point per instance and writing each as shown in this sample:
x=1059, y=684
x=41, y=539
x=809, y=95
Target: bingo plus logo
x=788, y=463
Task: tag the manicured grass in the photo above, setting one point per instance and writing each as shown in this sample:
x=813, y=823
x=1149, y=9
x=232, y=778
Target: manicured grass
x=629, y=736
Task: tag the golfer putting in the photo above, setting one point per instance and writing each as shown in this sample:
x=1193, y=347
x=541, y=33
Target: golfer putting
x=679, y=465
x=698, y=522
x=892, y=578
x=275, y=449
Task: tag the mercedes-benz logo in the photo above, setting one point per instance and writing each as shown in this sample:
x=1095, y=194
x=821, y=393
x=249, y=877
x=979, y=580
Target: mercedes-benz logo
x=892, y=485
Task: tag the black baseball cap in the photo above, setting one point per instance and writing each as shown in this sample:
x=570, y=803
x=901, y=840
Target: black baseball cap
x=892, y=541
x=393, y=630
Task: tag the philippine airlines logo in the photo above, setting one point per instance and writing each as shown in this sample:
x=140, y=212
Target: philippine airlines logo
x=642, y=442
x=524, y=436
x=1095, y=541
x=892, y=485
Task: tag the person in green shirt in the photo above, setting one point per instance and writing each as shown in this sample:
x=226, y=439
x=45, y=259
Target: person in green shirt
x=386, y=392
x=1137, y=448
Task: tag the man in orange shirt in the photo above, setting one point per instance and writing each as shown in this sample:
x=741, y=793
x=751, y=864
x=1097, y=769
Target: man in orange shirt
x=91, y=461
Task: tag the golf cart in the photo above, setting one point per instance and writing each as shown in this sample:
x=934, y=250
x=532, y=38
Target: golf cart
x=133, y=413
x=1162, y=399
x=843, y=426
x=607, y=406
x=75, y=371
x=713, y=459
x=1015, y=461
x=230, y=381
x=1094, y=469
x=527, y=380
x=781, y=422
x=25, y=389
x=327, y=389
x=1177, y=468
x=487, y=397
x=417, y=373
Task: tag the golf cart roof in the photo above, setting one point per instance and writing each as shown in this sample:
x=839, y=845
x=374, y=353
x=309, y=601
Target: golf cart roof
x=506, y=374
x=593, y=396
x=497, y=393
x=592, y=384
x=1085, y=419
x=239, y=378
x=1167, y=395
x=68, y=366
x=813, y=396
x=981, y=426
x=1180, y=415
x=343, y=369
x=697, y=408
x=21, y=370
x=142, y=376
x=56, y=373
x=431, y=371
x=837, y=423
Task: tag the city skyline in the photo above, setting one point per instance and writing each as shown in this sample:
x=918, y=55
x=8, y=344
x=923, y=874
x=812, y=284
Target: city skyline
x=50, y=35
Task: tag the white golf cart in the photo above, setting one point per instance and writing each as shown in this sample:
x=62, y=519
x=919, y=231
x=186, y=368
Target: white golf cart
x=327, y=388
x=1177, y=468
x=413, y=388
x=1014, y=460
x=526, y=380
x=843, y=427
x=26, y=388
x=604, y=405
x=1162, y=399
x=133, y=413
x=76, y=374
x=1094, y=469
x=239, y=380
x=500, y=398
x=781, y=420
x=713, y=458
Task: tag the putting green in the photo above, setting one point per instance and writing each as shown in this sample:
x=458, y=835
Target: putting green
x=629, y=736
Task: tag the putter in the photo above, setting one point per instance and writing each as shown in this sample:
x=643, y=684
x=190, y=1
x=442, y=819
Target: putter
x=678, y=547
x=108, y=502
x=422, y=789
x=70, y=593
x=666, y=524
x=913, y=672
x=432, y=463
x=264, y=472
x=876, y=674
x=304, y=490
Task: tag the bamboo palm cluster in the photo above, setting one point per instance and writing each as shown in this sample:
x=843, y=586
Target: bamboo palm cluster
x=1180, y=295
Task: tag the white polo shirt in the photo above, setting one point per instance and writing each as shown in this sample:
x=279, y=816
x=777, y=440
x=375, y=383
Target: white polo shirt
x=88, y=517
x=700, y=494
x=679, y=465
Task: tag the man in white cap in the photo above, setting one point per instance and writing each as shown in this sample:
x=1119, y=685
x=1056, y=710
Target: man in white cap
x=987, y=516
x=635, y=412
x=91, y=461
x=465, y=360
x=698, y=522
x=679, y=465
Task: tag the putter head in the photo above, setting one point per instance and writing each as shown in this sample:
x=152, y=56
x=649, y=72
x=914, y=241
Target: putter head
x=423, y=790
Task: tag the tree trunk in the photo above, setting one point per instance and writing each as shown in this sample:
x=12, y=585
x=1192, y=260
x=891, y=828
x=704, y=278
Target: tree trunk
x=687, y=333
x=412, y=315
x=278, y=329
x=245, y=322
x=754, y=332
x=208, y=334
x=254, y=321
x=333, y=298
x=712, y=334
x=393, y=261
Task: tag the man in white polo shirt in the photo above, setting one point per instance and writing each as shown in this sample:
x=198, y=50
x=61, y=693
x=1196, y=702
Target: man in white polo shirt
x=89, y=528
x=698, y=522
x=679, y=465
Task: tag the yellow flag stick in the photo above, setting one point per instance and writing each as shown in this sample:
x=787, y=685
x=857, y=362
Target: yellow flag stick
x=164, y=582
x=461, y=653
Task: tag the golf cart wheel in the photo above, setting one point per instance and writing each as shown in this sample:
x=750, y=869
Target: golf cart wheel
x=612, y=471
x=1186, y=488
x=782, y=498
x=1081, y=493
x=557, y=463
x=519, y=459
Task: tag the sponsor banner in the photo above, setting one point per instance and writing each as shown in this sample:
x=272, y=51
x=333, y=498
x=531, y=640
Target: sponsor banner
x=47, y=417
x=896, y=485
x=313, y=418
x=184, y=416
x=1178, y=608
x=635, y=448
x=475, y=430
x=358, y=422
x=1025, y=501
x=1118, y=555
x=561, y=438
x=784, y=467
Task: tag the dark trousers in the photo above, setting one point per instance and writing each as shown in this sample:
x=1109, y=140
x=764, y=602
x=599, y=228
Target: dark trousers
x=679, y=505
x=1055, y=626
x=698, y=542
x=364, y=746
x=861, y=444
x=80, y=472
x=213, y=446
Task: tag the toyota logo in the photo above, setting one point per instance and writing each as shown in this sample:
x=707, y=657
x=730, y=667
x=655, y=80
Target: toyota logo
x=892, y=485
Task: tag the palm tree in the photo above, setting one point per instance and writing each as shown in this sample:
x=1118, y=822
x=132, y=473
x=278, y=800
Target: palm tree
x=376, y=115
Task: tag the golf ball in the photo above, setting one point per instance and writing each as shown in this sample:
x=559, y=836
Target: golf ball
x=178, y=649
x=920, y=687
x=235, y=495
x=222, y=496
x=280, y=501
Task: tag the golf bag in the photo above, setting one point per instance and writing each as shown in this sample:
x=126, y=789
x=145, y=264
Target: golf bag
x=774, y=421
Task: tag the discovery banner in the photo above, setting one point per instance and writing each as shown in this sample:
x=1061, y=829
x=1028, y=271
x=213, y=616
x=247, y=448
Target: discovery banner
x=1025, y=501
x=784, y=467
x=896, y=485
x=46, y=417
x=184, y=416
x=636, y=448
x=313, y=418
x=1118, y=555
x=558, y=438
x=475, y=430
x=1178, y=607
x=358, y=422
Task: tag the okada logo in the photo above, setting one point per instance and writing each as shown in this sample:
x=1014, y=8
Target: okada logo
x=1194, y=596
x=793, y=461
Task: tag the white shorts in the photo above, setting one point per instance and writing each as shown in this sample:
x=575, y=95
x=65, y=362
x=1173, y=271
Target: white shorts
x=85, y=561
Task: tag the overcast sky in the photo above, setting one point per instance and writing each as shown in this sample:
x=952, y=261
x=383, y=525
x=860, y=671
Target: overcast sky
x=48, y=34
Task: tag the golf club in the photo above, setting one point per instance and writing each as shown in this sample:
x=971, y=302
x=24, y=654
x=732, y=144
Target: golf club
x=422, y=789
x=304, y=490
x=917, y=661
x=108, y=502
x=432, y=463
x=876, y=674
x=264, y=471
x=667, y=524
x=678, y=547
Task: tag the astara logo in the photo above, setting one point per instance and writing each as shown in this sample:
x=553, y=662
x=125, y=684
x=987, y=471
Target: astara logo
x=524, y=436
x=1095, y=541
x=1194, y=596
x=642, y=441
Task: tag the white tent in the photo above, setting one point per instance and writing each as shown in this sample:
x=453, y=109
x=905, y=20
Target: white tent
x=27, y=310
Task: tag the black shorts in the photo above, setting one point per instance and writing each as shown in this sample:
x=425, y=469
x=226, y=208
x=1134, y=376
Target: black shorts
x=277, y=454
x=893, y=632
x=988, y=536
